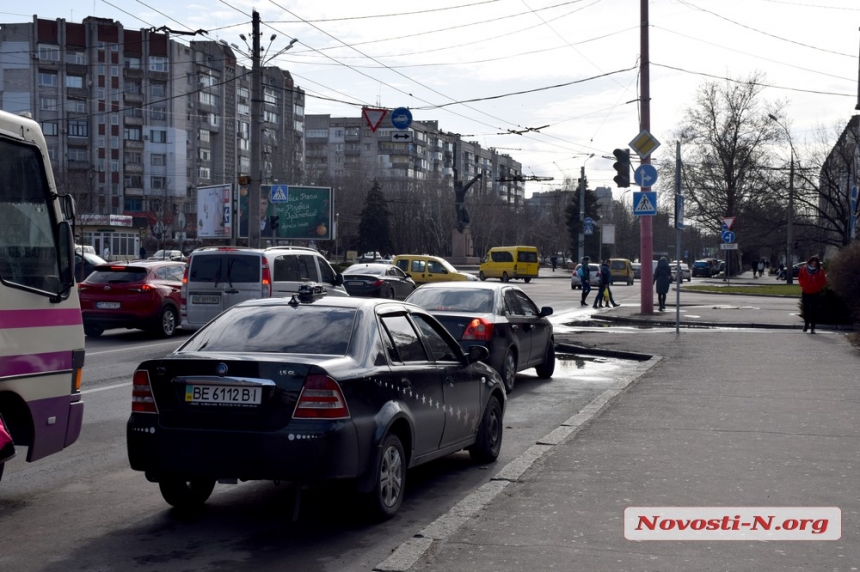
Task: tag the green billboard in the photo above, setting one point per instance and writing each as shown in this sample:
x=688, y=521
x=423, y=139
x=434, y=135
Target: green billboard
x=303, y=213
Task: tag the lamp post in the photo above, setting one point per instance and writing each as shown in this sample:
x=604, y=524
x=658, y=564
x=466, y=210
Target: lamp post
x=582, y=209
x=789, y=250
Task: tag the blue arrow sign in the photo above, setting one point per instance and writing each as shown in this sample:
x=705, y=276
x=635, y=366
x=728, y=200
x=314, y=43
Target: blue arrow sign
x=645, y=175
x=645, y=203
x=728, y=236
x=588, y=221
x=401, y=118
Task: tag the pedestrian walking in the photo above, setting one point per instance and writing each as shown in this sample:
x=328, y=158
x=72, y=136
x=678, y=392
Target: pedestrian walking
x=106, y=253
x=812, y=281
x=584, y=274
x=142, y=252
x=605, y=279
x=662, y=280
x=761, y=268
x=554, y=261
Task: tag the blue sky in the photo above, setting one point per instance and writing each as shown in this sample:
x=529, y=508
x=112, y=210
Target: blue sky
x=463, y=62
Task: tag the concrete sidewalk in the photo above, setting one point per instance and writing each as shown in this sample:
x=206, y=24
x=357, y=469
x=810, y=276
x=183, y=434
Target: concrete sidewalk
x=728, y=417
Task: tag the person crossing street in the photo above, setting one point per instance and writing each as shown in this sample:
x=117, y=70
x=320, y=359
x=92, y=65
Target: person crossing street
x=605, y=277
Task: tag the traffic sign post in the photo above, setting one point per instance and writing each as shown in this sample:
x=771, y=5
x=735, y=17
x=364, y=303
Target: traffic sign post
x=644, y=144
x=645, y=175
x=401, y=118
x=728, y=236
x=645, y=204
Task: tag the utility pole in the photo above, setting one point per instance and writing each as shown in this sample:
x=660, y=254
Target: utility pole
x=646, y=234
x=581, y=216
x=254, y=213
x=789, y=245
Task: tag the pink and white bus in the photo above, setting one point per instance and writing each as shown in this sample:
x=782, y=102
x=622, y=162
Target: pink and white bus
x=41, y=331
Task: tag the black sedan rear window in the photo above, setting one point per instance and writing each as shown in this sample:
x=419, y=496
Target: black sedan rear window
x=117, y=276
x=457, y=300
x=277, y=329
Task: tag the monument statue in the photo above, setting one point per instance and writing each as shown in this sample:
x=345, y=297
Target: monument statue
x=460, y=200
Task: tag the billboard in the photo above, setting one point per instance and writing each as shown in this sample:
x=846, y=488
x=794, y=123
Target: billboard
x=214, y=212
x=303, y=213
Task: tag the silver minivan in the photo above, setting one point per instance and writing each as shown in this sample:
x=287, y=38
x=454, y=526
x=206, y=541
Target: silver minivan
x=217, y=278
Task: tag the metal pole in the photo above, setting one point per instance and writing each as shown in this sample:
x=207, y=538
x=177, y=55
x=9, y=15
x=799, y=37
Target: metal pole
x=254, y=213
x=789, y=279
x=581, y=214
x=678, y=237
x=646, y=235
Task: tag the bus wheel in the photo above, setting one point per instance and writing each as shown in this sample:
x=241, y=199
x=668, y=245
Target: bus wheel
x=93, y=331
x=186, y=494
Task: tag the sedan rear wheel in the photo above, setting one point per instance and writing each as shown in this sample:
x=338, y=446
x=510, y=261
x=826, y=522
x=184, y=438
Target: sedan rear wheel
x=489, y=442
x=509, y=370
x=186, y=494
x=387, y=292
x=547, y=367
x=390, y=479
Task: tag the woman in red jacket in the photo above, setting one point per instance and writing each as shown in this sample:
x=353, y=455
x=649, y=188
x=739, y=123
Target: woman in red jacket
x=812, y=281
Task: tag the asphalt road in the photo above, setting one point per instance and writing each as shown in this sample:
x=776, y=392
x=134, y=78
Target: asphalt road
x=84, y=509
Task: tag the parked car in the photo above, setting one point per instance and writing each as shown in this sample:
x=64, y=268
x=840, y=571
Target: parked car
x=175, y=255
x=637, y=270
x=308, y=390
x=144, y=294
x=685, y=272
x=621, y=270
x=85, y=263
x=378, y=280
x=500, y=317
x=220, y=277
x=594, y=274
x=702, y=268
x=423, y=269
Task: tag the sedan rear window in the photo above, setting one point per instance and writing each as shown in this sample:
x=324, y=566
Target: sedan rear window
x=117, y=276
x=317, y=330
x=458, y=300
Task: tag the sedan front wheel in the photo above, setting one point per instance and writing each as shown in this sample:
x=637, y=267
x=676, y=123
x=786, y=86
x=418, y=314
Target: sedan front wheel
x=509, y=370
x=489, y=442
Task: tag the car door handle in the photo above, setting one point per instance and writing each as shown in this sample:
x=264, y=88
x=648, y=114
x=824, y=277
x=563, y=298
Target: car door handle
x=514, y=327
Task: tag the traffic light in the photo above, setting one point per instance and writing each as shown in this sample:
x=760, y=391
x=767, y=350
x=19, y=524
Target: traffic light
x=622, y=166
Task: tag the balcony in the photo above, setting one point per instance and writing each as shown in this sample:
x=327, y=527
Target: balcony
x=76, y=92
x=132, y=73
x=130, y=97
x=78, y=165
x=159, y=75
x=133, y=120
x=132, y=167
x=133, y=144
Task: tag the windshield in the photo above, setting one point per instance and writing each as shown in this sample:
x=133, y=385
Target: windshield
x=371, y=270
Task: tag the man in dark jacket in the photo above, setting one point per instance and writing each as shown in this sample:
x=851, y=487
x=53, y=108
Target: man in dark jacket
x=605, y=280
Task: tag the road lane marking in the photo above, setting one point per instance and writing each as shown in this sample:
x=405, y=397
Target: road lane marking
x=106, y=388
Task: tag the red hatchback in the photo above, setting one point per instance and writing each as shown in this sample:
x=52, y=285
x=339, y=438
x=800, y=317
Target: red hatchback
x=142, y=294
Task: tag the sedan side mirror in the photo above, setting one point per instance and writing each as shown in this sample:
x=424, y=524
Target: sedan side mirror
x=477, y=353
x=338, y=279
x=546, y=311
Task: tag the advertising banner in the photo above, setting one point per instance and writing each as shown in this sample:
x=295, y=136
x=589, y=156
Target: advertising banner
x=296, y=213
x=214, y=212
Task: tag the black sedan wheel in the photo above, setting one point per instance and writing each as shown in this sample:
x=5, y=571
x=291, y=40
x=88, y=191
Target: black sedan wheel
x=509, y=370
x=186, y=494
x=387, y=292
x=489, y=442
x=547, y=367
x=390, y=479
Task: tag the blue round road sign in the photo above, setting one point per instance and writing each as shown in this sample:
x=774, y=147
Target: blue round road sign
x=588, y=221
x=401, y=118
x=645, y=175
x=728, y=236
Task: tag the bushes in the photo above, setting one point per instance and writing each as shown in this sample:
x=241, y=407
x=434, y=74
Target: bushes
x=843, y=277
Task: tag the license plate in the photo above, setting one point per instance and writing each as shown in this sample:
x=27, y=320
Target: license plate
x=354, y=283
x=107, y=305
x=206, y=299
x=223, y=395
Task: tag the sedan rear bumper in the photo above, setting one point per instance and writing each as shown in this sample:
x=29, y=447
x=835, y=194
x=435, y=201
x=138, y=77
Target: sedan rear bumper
x=303, y=452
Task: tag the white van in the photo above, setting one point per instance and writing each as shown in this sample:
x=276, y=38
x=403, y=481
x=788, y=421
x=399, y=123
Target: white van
x=217, y=278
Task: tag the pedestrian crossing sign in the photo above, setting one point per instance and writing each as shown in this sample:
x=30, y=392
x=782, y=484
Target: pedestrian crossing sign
x=645, y=203
x=280, y=193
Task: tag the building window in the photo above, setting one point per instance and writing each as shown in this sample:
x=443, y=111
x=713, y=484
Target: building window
x=52, y=153
x=78, y=128
x=245, y=144
x=158, y=136
x=156, y=90
x=213, y=120
x=75, y=81
x=132, y=133
x=131, y=87
x=158, y=159
x=203, y=172
x=132, y=158
x=271, y=117
x=203, y=135
x=244, y=164
x=204, y=154
x=114, y=142
x=133, y=205
x=131, y=63
x=244, y=129
x=47, y=79
x=49, y=53
x=134, y=181
x=270, y=96
x=158, y=182
x=158, y=114
x=76, y=106
x=244, y=109
x=77, y=154
x=207, y=98
x=49, y=128
x=157, y=63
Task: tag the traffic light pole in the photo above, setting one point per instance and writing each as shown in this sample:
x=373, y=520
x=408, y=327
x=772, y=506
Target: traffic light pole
x=254, y=213
x=646, y=235
x=581, y=215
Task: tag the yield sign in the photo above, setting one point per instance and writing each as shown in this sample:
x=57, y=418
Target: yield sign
x=729, y=221
x=373, y=116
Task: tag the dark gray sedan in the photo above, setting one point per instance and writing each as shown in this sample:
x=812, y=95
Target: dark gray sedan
x=500, y=317
x=309, y=389
x=377, y=280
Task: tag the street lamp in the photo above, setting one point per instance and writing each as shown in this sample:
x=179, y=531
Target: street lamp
x=582, y=209
x=789, y=258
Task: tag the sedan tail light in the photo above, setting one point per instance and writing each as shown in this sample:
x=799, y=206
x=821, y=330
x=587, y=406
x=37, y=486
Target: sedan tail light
x=377, y=283
x=478, y=329
x=321, y=398
x=142, y=400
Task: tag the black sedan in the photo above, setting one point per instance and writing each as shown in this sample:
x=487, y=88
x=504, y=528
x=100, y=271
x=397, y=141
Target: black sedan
x=500, y=317
x=377, y=280
x=309, y=389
